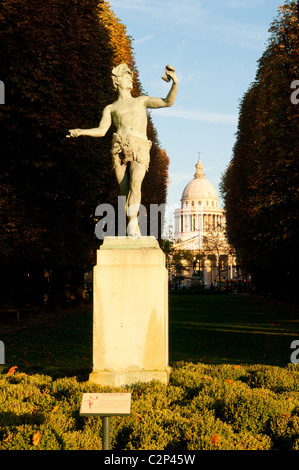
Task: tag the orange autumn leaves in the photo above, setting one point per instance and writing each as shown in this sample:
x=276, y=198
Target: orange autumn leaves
x=12, y=370
x=37, y=435
x=36, y=438
x=215, y=440
x=121, y=45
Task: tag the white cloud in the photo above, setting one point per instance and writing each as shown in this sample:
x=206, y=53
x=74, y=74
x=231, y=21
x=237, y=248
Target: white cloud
x=178, y=178
x=139, y=5
x=160, y=16
x=241, y=4
x=195, y=19
x=237, y=33
x=196, y=115
x=144, y=39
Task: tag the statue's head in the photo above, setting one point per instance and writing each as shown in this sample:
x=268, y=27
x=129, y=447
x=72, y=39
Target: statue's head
x=118, y=72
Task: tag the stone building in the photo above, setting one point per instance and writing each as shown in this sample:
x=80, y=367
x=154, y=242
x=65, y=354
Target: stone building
x=199, y=226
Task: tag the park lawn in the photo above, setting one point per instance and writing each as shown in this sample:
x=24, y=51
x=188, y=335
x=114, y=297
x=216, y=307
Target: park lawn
x=231, y=329
x=212, y=329
x=52, y=342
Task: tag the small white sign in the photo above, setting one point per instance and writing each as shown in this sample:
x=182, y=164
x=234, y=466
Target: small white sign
x=105, y=404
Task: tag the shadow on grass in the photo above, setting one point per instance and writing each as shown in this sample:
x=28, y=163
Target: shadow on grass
x=214, y=329
x=56, y=344
x=231, y=329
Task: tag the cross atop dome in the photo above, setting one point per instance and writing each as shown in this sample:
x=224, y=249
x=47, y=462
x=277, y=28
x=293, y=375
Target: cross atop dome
x=199, y=168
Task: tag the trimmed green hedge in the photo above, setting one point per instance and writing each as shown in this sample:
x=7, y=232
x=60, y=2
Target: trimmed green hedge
x=204, y=407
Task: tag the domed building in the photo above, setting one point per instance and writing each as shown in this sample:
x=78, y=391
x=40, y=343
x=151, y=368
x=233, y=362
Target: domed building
x=199, y=226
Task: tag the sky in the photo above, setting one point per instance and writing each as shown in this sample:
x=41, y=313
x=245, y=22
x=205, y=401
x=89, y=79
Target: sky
x=214, y=46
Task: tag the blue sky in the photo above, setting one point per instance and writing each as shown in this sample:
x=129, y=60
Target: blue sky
x=214, y=46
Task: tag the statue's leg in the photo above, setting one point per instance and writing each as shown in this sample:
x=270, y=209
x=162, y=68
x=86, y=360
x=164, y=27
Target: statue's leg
x=123, y=178
x=137, y=173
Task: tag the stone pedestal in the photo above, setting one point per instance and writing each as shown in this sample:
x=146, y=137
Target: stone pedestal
x=130, y=324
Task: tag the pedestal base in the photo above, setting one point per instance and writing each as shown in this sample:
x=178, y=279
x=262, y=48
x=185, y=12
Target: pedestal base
x=130, y=330
x=118, y=378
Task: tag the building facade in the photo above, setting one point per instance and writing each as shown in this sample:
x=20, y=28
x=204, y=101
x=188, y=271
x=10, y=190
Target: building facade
x=199, y=226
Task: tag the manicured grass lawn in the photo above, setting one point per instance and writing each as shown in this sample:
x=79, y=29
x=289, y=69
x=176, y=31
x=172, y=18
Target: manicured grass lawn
x=213, y=329
x=52, y=341
x=223, y=329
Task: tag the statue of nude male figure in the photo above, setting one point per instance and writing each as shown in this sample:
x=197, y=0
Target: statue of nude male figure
x=130, y=146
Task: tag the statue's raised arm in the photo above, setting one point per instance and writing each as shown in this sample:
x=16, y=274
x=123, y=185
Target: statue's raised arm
x=155, y=103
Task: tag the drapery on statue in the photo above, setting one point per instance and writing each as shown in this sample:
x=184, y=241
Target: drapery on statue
x=130, y=146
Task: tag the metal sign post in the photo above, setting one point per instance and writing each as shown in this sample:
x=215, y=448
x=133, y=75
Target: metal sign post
x=106, y=433
x=105, y=405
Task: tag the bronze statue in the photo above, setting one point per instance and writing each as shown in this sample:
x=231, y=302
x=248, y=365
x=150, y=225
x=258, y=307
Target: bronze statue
x=130, y=146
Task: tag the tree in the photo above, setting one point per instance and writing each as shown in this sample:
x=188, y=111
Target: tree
x=154, y=189
x=53, y=67
x=216, y=248
x=260, y=186
x=55, y=60
x=176, y=260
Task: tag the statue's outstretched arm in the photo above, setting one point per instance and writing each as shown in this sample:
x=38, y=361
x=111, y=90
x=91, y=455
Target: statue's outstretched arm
x=100, y=131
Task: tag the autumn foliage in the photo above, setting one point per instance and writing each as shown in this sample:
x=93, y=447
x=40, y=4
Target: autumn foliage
x=204, y=407
x=260, y=186
x=154, y=188
x=56, y=60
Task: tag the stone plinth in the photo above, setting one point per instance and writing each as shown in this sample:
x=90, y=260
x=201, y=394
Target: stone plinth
x=130, y=324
